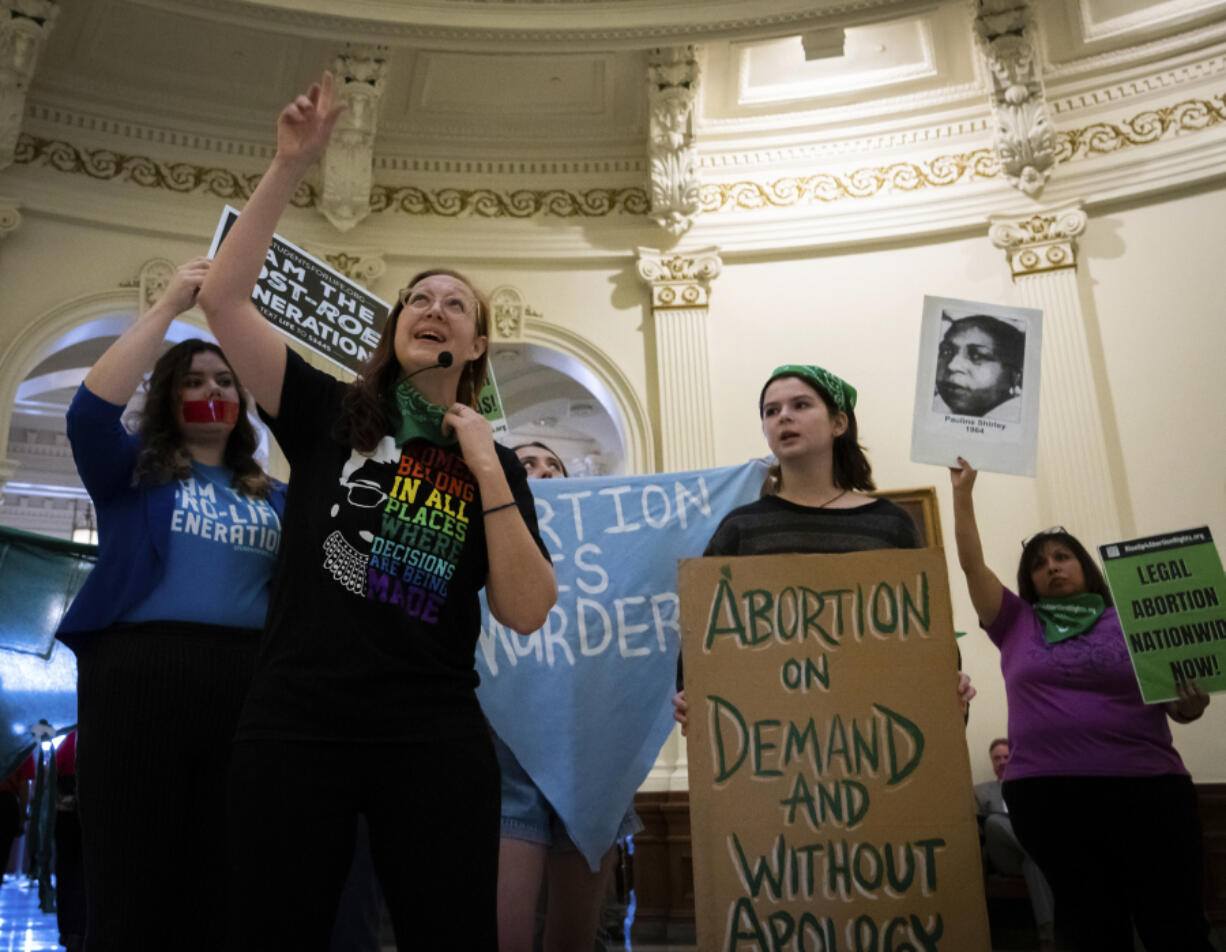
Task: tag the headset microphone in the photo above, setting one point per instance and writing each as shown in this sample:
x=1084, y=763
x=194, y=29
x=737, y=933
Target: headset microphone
x=444, y=360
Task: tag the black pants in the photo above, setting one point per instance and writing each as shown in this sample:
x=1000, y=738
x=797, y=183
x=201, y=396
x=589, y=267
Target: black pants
x=157, y=705
x=433, y=813
x=10, y=821
x=1117, y=851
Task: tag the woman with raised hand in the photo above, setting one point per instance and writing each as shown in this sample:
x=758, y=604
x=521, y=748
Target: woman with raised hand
x=165, y=628
x=401, y=508
x=815, y=498
x=1097, y=793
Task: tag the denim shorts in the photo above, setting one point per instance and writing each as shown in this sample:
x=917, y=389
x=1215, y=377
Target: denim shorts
x=528, y=816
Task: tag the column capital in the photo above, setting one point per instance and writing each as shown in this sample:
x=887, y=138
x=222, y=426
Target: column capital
x=155, y=277
x=363, y=265
x=679, y=279
x=1042, y=241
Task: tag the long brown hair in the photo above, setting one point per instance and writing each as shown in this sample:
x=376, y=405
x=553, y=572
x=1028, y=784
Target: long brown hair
x=367, y=412
x=851, y=466
x=163, y=456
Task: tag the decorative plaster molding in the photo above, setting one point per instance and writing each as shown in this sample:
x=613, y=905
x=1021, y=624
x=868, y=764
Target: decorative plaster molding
x=679, y=279
x=499, y=25
x=517, y=203
x=346, y=166
x=1126, y=56
x=860, y=183
x=537, y=168
x=1044, y=241
x=1025, y=139
x=1072, y=145
x=181, y=177
x=363, y=265
x=24, y=27
x=833, y=149
x=10, y=217
x=672, y=85
x=1103, y=138
x=155, y=277
x=1203, y=70
x=509, y=311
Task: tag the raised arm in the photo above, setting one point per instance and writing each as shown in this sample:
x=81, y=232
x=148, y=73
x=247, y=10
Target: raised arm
x=252, y=345
x=119, y=370
x=985, y=588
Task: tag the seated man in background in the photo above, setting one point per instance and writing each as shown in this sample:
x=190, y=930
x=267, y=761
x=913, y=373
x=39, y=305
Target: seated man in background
x=1002, y=852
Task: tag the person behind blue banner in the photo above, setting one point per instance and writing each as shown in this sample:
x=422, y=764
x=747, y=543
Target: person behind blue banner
x=401, y=508
x=165, y=628
x=535, y=843
x=1097, y=793
x=540, y=462
x=815, y=497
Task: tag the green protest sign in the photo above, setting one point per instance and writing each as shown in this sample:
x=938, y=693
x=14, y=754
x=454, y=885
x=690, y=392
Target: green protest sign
x=489, y=402
x=1170, y=593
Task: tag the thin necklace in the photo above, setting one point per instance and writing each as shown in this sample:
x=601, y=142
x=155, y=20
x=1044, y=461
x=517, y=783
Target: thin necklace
x=833, y=499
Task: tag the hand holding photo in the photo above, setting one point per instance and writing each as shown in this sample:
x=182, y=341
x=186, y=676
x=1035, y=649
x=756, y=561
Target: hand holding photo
x=977, y=386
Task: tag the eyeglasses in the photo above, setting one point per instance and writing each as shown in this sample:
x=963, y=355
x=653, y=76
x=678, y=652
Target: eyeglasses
x=1054, y=530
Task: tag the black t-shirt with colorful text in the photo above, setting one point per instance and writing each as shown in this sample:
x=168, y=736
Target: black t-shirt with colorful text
x=374, y=614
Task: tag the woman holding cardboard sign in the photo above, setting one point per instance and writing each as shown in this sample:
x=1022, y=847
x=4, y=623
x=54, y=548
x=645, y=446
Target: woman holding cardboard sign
x=815, y=498
x=1098, y=795
x=401, y=508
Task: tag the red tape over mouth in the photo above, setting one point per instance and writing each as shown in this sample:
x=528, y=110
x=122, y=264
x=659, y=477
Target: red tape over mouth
x=210, y=411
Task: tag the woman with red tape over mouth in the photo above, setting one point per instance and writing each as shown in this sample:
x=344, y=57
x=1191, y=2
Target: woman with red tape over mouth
x=165, y=628
x=401, y=509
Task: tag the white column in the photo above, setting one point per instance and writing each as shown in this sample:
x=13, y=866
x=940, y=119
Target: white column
x=1076, y=488
x=680, y=291
x=10, y=221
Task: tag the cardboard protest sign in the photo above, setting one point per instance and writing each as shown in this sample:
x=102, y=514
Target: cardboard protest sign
x=1170, y=593
x=830, y=789
x=303, y=297
x=977, y=386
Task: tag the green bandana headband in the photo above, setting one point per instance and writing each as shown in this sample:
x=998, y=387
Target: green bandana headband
x=419, y=418
x=1070, y=616
x=841, y=392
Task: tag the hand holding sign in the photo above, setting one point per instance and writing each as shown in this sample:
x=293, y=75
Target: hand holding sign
x=180, y=294
x=305, y=125
x=1191, y=704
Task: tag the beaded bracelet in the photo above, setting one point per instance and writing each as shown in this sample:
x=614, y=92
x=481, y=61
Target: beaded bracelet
x=505, y=505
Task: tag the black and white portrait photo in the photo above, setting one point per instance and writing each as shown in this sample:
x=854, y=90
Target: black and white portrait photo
x=977, y=385
x=980, y=364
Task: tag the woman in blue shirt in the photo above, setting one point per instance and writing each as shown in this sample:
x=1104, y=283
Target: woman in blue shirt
x=165, y=628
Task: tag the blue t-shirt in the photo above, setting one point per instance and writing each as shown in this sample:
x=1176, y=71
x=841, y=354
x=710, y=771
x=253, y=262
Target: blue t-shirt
x=223, y=546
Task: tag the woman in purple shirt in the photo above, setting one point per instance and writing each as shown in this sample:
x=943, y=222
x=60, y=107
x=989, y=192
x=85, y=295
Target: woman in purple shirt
x=1097, y=793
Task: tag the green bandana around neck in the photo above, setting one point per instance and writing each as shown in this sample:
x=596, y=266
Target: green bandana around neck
x=841, y=392
x=1069, y=616
x=419, y=418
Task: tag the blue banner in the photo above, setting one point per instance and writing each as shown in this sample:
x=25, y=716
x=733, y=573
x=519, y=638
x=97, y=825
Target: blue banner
x=585, y=703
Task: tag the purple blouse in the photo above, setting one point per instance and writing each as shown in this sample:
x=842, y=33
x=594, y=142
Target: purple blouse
x=1075, y=708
